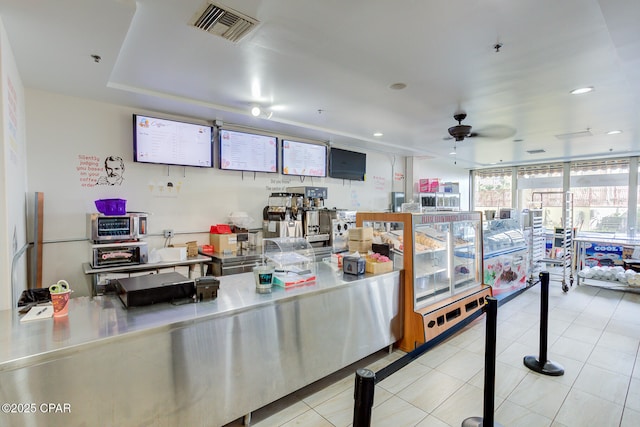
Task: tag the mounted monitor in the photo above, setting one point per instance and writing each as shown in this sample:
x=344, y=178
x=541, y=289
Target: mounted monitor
x=249, y=152
x=304, y=159
x=346, y=164
x=171, y=142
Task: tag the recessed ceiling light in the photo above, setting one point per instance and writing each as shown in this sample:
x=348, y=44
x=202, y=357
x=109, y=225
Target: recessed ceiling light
x=398, y=86
x=581, y=90
x=614, y=132
x=377, y=134
x=255, y=111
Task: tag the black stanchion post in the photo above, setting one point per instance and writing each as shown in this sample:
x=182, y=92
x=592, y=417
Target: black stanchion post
x=541, y=364
x=491, y=310
x=363, y=396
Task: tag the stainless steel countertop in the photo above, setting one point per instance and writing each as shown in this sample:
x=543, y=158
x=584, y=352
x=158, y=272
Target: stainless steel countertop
x=95, y=320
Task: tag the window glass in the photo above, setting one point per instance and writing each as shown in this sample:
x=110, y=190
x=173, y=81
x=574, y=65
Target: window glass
x=492, y=189
x=540, y=187
x=600, y=195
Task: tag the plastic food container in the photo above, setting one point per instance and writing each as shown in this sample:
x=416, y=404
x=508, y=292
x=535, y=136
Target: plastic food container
x=112, y=206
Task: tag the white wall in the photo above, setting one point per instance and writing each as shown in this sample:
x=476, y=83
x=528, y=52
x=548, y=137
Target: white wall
x=65, y=133
x=12, y=177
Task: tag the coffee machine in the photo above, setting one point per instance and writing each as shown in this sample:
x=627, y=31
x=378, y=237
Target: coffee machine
x=312, y=199
x=341, y=222
x=281, y=216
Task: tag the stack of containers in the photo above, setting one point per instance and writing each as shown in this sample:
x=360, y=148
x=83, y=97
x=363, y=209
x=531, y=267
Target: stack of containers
x=360, y=239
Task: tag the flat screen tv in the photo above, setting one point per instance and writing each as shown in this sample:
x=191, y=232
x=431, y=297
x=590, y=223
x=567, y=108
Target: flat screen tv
x=304, y=159
x=347, y=164
x=171, y=142
x=250, y=152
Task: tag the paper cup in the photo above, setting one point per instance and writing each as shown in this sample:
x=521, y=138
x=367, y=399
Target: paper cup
x=264, y=278
x=60, y=303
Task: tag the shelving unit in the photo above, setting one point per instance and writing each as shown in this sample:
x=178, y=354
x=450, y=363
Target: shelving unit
x=440, y=254
x=562, y=235
x=534, y=234
x=440, y=201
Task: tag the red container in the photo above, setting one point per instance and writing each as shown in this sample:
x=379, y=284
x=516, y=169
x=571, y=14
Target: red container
x=220, y=229
x=112, y=206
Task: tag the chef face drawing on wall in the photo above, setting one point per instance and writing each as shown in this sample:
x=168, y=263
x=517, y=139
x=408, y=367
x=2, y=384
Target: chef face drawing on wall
x=114, y=168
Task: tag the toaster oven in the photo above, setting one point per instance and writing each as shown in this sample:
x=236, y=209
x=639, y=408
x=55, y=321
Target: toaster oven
x=107, y=228
x=117, y=254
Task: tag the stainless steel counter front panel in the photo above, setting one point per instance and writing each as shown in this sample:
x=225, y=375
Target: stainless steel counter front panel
x=197, y=364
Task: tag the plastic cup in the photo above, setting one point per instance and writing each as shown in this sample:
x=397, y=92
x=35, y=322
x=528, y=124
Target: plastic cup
x=264, y=278
x=60, y=301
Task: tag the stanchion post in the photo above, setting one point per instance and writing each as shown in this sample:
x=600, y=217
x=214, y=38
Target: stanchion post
x=541, y=364
x=491, y=310
x=363, y=396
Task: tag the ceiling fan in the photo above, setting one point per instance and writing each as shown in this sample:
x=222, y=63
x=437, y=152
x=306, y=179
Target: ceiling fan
x=460, y=131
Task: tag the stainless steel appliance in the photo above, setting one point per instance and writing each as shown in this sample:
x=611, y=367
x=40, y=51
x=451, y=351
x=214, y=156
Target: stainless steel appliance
x=122, y=253
x=282, y=216
x=288, y=228
x=116, y=239
x=106, y=228
x=341, y=222
x=312, y=199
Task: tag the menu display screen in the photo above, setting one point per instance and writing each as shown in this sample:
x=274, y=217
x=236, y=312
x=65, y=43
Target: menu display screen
x=171, y=142
x=303, y=159
x=251, y=152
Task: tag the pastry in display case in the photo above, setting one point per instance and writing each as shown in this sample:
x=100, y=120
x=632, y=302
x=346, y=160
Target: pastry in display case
x=440, y=253
x=505, y=256
x=293, y=259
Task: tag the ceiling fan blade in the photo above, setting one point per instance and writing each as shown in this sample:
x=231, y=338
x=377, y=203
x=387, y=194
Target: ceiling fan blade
x=494, y=132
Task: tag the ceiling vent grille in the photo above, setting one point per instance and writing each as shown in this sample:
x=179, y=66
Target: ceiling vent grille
x=538, y=151
x=224, y=22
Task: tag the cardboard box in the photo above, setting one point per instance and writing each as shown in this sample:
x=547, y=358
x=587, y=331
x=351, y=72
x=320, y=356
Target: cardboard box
x=430, y=185
x=362, y=246
x=224, y=242
x=374, y=267
x=361, y=233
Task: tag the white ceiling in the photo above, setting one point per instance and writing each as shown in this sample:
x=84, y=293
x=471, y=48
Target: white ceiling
x=324, y=69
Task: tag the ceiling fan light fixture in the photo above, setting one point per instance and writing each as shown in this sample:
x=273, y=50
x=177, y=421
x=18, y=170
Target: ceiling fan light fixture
x=459, y=132
x=581, y=90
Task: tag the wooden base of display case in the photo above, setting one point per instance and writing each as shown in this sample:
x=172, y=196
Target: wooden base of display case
x=448, y=313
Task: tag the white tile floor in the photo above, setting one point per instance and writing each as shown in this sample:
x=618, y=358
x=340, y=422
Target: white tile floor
x=594, y=333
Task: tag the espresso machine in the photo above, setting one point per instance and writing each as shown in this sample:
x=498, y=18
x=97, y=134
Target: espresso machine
x=312, y=211
x=282, y=216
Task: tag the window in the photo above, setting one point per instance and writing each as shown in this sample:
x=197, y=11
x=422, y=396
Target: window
x=540, y=187
x=492, y=189
x=600, y=195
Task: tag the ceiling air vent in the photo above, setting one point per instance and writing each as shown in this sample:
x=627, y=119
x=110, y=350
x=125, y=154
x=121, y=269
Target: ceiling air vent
x=224, y=22
x=538, y=151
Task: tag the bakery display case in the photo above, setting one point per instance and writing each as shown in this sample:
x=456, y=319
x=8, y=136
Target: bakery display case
x=441, y=256
x=506, y=268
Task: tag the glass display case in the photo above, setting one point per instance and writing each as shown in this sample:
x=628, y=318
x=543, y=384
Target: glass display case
x=441, y=254
x=293, y=259
x=505, y=256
